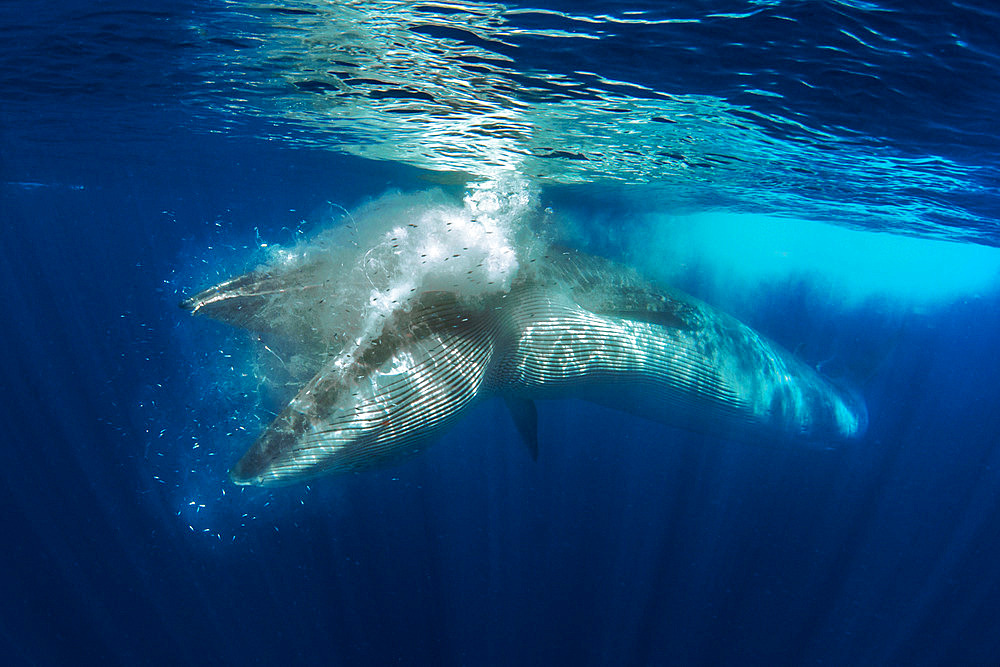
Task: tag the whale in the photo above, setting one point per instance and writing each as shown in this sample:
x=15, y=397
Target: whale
x=570, y=325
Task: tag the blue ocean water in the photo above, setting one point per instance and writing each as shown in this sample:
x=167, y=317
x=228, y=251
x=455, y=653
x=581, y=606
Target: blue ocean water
x=825, y=171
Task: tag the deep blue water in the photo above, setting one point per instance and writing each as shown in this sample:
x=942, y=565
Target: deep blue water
x=825, y=171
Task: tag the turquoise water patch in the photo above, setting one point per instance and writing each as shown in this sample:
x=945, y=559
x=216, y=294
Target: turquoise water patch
x=736, y=251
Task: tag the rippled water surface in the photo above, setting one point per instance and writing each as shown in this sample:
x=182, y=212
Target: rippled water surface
x=871, y=114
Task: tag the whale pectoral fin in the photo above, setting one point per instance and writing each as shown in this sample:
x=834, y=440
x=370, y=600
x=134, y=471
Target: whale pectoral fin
x=525, y=416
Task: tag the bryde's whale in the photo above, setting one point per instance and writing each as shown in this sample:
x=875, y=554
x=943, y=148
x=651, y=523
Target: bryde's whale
x=566, y=324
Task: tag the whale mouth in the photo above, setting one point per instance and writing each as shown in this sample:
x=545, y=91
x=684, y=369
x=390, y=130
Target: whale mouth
x=249, y=470
x=240, y=478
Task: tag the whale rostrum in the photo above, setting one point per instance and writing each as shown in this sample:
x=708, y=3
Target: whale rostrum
x=569, y=325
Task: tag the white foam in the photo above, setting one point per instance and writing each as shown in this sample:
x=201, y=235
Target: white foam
x=399, y=246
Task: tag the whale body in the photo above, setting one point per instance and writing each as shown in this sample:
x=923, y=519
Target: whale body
x=569, y=325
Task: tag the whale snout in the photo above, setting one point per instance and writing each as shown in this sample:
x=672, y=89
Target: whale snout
x=241, y=476
x=271, y=460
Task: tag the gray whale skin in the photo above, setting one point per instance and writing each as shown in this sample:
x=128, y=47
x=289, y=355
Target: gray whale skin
x=572, y=325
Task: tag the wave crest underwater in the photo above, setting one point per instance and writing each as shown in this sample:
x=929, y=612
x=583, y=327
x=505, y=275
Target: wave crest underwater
x=422, y=306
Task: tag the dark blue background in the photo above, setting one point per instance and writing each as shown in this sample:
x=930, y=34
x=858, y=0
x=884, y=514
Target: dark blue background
x=626, y=543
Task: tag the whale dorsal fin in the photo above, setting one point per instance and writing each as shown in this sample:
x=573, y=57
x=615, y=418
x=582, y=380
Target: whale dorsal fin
x=525, y=416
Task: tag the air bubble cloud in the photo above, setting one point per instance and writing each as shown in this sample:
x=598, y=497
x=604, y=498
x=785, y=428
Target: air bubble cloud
x=339, y=289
